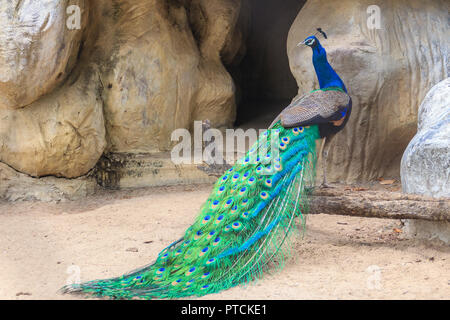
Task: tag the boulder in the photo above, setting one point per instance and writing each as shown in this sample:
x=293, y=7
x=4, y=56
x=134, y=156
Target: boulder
x=162, y=69
x=387, y=71
x=425, y=167
x=61, y=134
x=37, y=49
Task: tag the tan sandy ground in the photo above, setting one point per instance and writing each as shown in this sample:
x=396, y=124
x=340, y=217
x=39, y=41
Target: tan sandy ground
x=113, y=232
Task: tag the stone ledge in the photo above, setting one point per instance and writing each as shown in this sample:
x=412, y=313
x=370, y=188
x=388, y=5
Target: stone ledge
x=113, y=171
x=130, y=171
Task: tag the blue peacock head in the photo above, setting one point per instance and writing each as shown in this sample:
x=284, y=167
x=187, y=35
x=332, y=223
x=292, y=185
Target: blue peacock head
x=312, y=41
x=325, y=73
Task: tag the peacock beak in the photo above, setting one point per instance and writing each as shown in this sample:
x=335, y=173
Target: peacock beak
x=301, y=43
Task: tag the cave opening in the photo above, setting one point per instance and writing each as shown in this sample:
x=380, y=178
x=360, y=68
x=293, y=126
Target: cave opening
x=264, y=82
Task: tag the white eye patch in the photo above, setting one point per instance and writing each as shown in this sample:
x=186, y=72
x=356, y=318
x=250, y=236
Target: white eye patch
x=310, y=42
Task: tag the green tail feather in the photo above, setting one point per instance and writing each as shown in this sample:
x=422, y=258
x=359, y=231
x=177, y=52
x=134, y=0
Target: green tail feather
x=240, y=230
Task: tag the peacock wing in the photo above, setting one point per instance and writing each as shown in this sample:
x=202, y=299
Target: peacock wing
x=316, y=107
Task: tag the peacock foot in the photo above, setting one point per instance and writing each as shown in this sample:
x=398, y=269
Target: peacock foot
x=325, y=185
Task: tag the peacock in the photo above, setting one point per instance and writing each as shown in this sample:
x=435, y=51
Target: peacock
x=245, y=224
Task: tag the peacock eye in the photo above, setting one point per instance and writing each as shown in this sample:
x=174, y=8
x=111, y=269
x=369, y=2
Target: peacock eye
x=310, y=42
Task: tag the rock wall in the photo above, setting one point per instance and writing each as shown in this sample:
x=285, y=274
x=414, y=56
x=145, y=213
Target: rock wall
x=37, y=50
x=387, y=71
x=61, y=134
x=132, y=72
x=164, y=75
x=135, y=70
x=51, y=111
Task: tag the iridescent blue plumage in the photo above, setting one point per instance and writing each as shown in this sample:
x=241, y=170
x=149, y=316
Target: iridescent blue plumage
x=330, y=117
x=328, y=78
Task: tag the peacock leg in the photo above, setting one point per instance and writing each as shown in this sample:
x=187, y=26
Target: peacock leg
x=325, y=148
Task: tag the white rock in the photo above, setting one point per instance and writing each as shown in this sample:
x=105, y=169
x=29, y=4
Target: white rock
x=425, y=167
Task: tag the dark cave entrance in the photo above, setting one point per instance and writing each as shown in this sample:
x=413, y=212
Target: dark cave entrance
x=265, y=84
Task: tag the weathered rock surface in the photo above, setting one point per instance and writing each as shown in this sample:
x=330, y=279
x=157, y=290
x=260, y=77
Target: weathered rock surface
x=16, y=186
x=134, y=72
x=138, y=69
x=37, y=50
x=61, y=134
x=165, y=69
x=387, y=71
x=425, y=167
x=134, y=170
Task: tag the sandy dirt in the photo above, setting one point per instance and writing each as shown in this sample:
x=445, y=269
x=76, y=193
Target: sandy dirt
x=44, y=245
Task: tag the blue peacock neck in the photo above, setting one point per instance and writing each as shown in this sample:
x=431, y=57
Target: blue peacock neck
x=325, y=73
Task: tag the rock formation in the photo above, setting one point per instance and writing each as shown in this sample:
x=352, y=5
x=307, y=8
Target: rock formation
x=388, y=71
x=161, y=77
x=122, y=81
x=37, y=49
x=425, y=166
x=61, y=134
x=122, y=77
